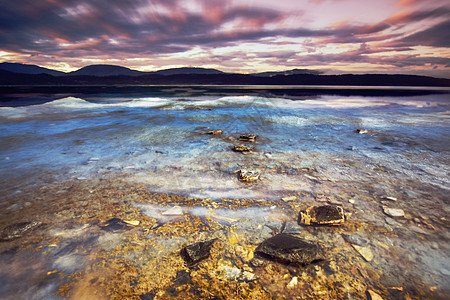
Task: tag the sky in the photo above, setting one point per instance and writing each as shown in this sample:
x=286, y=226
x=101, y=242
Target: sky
x=246, y=36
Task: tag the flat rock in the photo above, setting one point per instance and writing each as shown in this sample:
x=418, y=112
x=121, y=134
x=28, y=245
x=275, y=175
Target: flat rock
x=17, y=230
x=364, y=251
x=196, y=252
x=393, y=212
x=287, y=248
x=243, y=148
x=247, y=137
x=322, y=215
x=356, y=240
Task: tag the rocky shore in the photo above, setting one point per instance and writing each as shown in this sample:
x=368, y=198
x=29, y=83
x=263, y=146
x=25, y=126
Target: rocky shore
x=103, y=239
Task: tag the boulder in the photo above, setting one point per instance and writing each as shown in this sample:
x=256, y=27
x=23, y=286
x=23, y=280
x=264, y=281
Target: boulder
x=289, y=249
x=196, y=252
x=322, y=215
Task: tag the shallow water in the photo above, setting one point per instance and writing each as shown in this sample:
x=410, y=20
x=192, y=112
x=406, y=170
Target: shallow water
x=307, y=149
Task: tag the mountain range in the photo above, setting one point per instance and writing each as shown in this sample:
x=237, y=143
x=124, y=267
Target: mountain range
x=23, y=74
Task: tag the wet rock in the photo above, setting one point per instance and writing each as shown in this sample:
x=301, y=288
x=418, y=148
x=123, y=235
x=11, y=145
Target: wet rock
x=233, y=273
x=248, y=176
x=362, y=131
x=116, y=224
x=248, y=137
x=215, y=132
x=373, y=296
x=356, y=240
x=365, y=252
x=18, y=230
x=196, y=252
x=242, y=148
x=322, y=215
x=287, y=248
x=393, y=212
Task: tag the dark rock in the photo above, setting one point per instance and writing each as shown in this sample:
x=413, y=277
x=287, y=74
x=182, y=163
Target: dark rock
x=196, y=252
x=215, y=132
x=248, y=137
x=322, y=215
x=17, y=230
x=242, y=148
x=356, y=240
x=116, y=224
x=287, y=248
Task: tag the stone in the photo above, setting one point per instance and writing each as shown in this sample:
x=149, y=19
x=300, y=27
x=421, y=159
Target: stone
x=293, y=283
x=289, y=198
x=116, y=224
x=174, y=211
x=17, y=230
x=248, y=137
x=373, y=295
x=233, y=273
x=393, y=212
x=356, y=240
x=362, y=131
x=215, y=132
x=247, y=176
x=287, y=248
x=390, y=198
x=196, y=252
x=365, y=252
x=322, y=215
x=243, y=148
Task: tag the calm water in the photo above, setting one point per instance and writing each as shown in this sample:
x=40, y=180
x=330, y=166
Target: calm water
x=304, y=144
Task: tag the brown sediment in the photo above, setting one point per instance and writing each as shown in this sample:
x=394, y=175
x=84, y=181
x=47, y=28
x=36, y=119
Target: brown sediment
x=71, y=251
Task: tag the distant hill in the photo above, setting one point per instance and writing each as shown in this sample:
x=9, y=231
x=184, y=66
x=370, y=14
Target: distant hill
x=19, y=74
x=188, y=70
x=105, y=70
x=28, y=69
x=287, y=72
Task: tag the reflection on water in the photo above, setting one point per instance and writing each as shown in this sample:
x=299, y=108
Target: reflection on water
x=72, y=164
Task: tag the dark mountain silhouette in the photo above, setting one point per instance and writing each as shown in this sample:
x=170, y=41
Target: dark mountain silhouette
x=287, y=72
x=188, y=70
x=117, y=75
x=105, y=70
x=28, y=69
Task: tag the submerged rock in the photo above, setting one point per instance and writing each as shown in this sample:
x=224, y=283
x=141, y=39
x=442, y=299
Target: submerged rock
x=116, y=224
x=196, y=252
x=364, y=251
x=174, y=211
x=322, y=215
x=242, y=148
x=247, y=176
x=356, y=240
x=393, y=212
x=287, y=248
x=248, y=137
x=17, y=230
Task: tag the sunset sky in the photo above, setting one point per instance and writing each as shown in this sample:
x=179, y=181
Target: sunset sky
x=334, y=36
